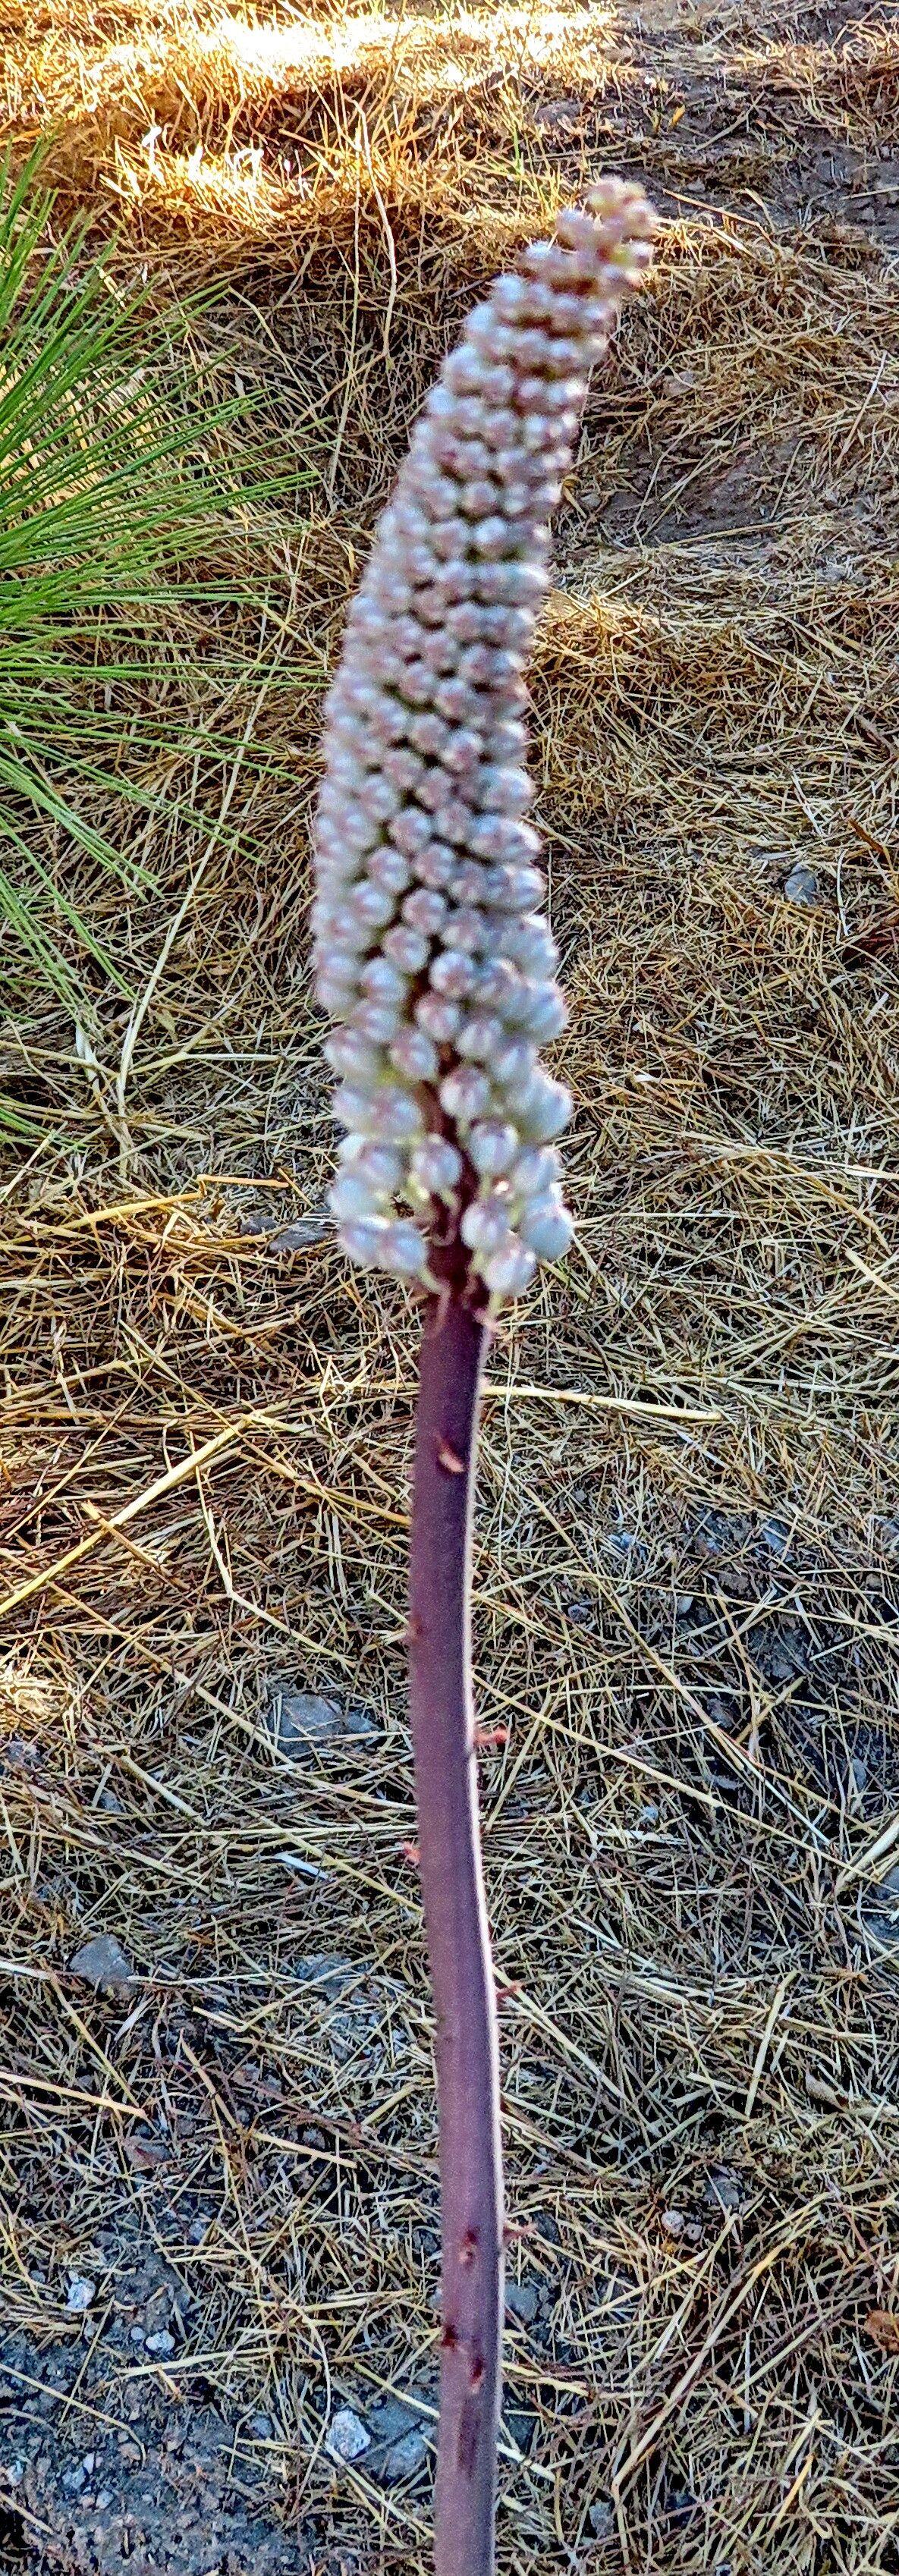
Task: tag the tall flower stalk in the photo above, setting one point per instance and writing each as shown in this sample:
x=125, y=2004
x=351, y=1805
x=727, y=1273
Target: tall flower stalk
x=437, y=968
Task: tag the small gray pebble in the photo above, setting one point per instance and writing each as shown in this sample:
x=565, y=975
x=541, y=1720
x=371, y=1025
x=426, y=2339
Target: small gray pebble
x=390, y=2417
x=326, y=1970
x=161, y=2343
x=723, y=2189
x=404, y=2457
x=102, y=1962
x=521, y=2428
x=306, y=1230
x=358, y=1722
x=302, y=1721
x=776, y=1537
x=80, y=2296
x=347, y=2437
x=522, y=2300
x=298, y=1718
x=801, y=886
x=601, y=2518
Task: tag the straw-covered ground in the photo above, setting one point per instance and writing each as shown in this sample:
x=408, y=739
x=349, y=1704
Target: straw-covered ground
x=218, y=2170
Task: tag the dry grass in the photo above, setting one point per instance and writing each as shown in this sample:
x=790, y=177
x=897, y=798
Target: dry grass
x=686, y=1586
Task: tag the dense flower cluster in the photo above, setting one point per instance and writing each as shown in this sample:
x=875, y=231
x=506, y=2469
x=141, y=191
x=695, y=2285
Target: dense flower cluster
x=431, y=955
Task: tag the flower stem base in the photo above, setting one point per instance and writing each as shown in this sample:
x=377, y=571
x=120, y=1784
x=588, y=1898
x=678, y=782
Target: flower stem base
x=458, y=1938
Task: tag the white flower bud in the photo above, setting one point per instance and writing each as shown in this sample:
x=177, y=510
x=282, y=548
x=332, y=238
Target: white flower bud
x=503, y=790
x=411, y=832
x=479, y=499
x=403, y=1250
x=408, y=949
x=509, y=1272
x=502, y=839
x=453, y=975
x=397, y=1116
x=336, y=992
x=430, y=735
x=376, y=1022
x=370, y=906
x=426, y=911
x=432, y=793
x=546, y=1226
x=476, y=665
x=338, y=813
x=467, y=930
x=543, y=1011
x=438, y=648
x=497, y=987
x=356, y=1109
x=440, y=1018
x=352, y=1195
x=458, y=701
x=341, y=939
x=383, y=981
x=535, y=1171
x=351, y=693
x=345, y=769
x=437, y=1166
x=379, y=1165
x=465, y=1095
x=492, y=1147
x=490, y=536
x=518, y=995
x=388, y=869
x=403, y=768
x=479, y=1037
x=384, y=1112
x=450, y=539
x=512, y=889
x=462, y=751
x=415, y=1055
x=350, y=1052
x=436, y=865
x=543, y=1109
x=576, y=231
x=513, y=1064
x=361, y=1239
x=529, y=943
x=486, y=1223
x=377, y=798
x=417, y=684
x=470, y=881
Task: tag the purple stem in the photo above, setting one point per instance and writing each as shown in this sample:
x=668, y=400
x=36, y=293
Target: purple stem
x=458, y=1938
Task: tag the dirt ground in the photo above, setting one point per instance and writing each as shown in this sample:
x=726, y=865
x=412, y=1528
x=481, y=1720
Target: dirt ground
x=218, y=2200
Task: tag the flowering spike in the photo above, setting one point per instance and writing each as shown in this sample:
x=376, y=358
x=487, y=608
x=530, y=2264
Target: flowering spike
x=438, y=971
x=429, y=951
